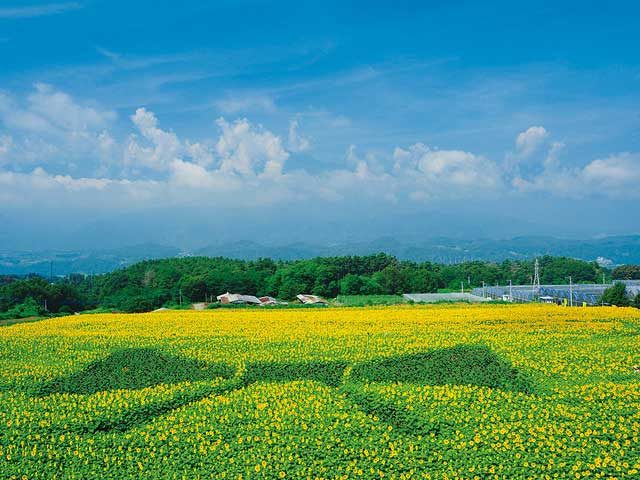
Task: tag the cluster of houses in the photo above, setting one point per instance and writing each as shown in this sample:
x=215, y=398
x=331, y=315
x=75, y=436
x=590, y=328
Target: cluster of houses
x=240, y=299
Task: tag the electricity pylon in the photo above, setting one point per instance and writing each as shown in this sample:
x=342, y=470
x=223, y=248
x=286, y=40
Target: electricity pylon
x=536, y=279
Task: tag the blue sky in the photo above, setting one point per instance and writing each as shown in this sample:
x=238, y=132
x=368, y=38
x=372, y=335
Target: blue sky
x=455, y=118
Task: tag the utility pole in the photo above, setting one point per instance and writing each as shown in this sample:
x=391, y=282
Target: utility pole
x=570, y=291
x=484, y=291
x=462, y=287
x=536, y=278
x=510, y=291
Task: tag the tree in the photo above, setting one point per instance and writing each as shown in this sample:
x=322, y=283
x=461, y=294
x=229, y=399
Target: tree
x=291, y=287
x=626, y=272
x=421, y=280
x=393, y=279
x=616, y=295
x=194, y=288
x=352, y=284
x=371, y=287
x=153, y=283
x=28, y=308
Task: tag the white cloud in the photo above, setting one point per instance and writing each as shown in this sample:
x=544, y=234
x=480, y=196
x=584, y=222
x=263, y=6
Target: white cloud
x=528, y=141
x=106, y=143
x=39, y=186
x=164, y=147
x=15, y=116
x=241, y=149
x=352, y=156
x=297, y=142
x=201, y=154
x=246, y=103
x=523, y=163
x=189, y=174
x=50, y=126
x=551, y=160
x=440, y=169
x=246, y=150
x=6, y=143
x=243, y=164
x=61, y=111
x=41, y=179
x=108, y=53
x=614, y=176
x=38, y=10
x=161, y=148
x=371, y=162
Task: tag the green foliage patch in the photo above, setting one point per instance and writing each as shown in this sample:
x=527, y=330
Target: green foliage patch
x=616, y=295
x=459, y=365
x=329, y=373
x=365, y=300
x=135, y=368
x=402, y=419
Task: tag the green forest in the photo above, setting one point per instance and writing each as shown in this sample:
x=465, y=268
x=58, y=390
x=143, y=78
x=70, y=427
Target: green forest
x=170, y=282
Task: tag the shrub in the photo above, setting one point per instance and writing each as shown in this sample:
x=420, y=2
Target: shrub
x=616, y=295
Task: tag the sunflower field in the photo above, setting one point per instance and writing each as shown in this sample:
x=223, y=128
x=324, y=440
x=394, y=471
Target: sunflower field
x=397, y=392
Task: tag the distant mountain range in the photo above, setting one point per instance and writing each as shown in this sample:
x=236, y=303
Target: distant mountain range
x=55, y=263
x=613, y=250
x=617, y=250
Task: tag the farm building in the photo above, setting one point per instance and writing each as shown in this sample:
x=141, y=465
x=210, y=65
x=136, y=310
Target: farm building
x=443, y=297
x=311, y=299
x=270, y=301
x=238, y=299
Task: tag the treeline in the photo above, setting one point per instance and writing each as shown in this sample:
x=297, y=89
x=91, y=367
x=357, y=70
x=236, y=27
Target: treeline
x=626, y=272
x=155, y=283
x=35, y=296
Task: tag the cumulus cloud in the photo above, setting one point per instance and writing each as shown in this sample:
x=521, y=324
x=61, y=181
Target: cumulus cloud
x=50, y=126
x=192, y=175
x=248, y=150
x=241, y=149
x=455, y=172
x=297, y=142
x=164, y=147
x=48, y=111
x=60, y=110
x=527, y=142
x=39, y=187
x=525, y=161
x=245, y=164
x=200, y=153
x=159, y=149
x=552, y=158
x=614, y=176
